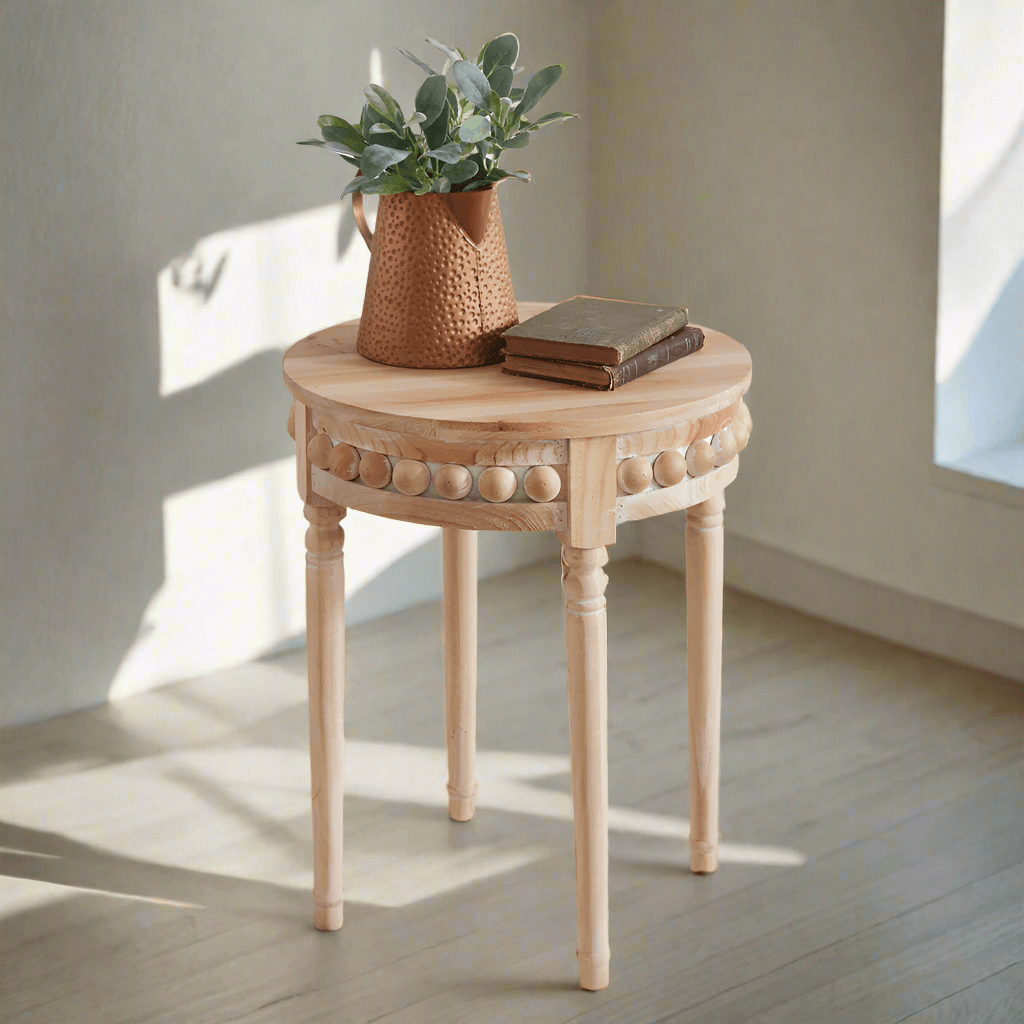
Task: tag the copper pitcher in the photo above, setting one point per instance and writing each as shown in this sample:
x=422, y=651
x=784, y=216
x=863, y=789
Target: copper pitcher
x=439, y=288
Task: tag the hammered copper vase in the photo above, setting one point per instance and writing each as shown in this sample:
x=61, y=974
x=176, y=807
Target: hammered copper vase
x=439, y=289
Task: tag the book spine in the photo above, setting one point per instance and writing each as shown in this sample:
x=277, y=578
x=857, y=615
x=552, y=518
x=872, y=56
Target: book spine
x=638, y=341
x=684, y=343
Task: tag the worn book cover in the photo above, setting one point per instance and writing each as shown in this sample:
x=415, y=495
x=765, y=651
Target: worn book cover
x=586, y=329
x=608, y=378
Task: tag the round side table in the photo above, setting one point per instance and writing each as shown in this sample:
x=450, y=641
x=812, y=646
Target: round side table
x=478, y=449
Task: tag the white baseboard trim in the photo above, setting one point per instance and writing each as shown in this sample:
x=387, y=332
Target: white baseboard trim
x=831, y=594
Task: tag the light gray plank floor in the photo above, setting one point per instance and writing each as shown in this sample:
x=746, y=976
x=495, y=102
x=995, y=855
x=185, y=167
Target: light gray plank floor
x=155, y=853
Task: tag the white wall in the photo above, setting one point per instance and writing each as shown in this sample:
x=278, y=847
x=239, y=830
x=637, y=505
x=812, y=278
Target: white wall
x=147, y=522
x=776, y=167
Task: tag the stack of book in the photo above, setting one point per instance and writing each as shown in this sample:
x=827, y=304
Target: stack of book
x=599, y=343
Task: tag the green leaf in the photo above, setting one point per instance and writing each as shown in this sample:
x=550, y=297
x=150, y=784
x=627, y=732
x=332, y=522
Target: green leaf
x=311, y=142
x=461, y=171
x=376, y=159
x=501, y=80
x=537, y=86
x=475, y=128
x=431, y=98
x=518, y=140
x=451, y=152
x=474, y=185
x=441, y=184
x=503, y=51
x=412, y=56
x=555, y=118
x=436, y=135
x=384, y=103
x=337, y=129
x=338, y=147
x=355, y=185
x=516, y=94
x=386, y=185
x=367, y=120
x=381, y=134
x=453, y=54
x=472, y=82
x=499, y=174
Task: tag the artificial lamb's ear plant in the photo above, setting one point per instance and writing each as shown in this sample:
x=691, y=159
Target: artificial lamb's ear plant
x=454, y=139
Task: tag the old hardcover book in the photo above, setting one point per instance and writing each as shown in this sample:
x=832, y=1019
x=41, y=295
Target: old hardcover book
x=585, y=329
x=608, y=378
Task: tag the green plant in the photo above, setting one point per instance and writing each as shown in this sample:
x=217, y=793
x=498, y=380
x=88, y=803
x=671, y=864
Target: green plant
x=454, y=139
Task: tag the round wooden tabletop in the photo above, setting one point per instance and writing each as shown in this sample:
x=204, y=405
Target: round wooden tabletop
x=325, y=373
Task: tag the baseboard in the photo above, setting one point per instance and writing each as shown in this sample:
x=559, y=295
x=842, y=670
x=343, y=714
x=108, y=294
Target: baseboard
x=826, y=593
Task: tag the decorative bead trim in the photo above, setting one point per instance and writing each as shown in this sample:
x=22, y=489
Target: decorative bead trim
x=372, y=467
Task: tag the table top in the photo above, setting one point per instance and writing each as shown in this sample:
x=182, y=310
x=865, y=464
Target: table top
x=325, y=372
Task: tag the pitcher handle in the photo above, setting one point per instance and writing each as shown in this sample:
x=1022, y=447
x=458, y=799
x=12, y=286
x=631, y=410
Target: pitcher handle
x=357, y=212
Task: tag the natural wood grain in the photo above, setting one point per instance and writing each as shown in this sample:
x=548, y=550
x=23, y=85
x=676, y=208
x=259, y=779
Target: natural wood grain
x=591, y=491
x=304, y=433
x=690, y=491
x=467, y=452
x=325, y=372
x=460, y=618
x=704, y=566
x=325, y=640
x=586, y=641
x=650, y=442
x=468, y=515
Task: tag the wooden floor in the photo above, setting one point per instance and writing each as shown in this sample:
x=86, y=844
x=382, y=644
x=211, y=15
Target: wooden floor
x=155, y=854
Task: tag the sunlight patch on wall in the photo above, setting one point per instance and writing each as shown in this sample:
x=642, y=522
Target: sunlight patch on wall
x=234, y=574
x=258, y=287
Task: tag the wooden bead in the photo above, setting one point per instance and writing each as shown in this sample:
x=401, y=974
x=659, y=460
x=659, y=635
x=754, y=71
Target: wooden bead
x=670, y=468
x=344, y=461
x=497, y=483
x=634, y=475
x=291, y=421
x=410, y=476
x=741, y=432
x=453, y=481
x=542, y=483
x=318, y=451
x=700, y=458
x=374, y=469
x=724, y=444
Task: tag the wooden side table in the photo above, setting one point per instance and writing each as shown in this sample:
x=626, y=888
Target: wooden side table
x=478, y=449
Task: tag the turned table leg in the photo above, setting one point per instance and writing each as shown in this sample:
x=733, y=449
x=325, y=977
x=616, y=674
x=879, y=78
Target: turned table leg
x=325, y=642
x=704, y=565
x=460, y=610
x=586, y=638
